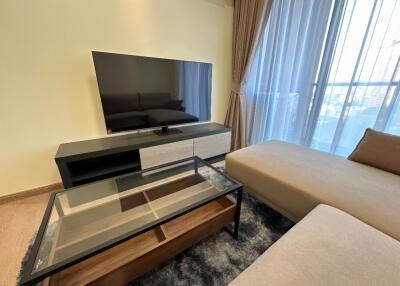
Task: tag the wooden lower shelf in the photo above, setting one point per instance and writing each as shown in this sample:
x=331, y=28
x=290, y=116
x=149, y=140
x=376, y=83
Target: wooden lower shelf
x=129, y=260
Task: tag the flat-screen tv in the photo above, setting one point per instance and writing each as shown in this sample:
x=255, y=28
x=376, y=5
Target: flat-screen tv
x=143, y=92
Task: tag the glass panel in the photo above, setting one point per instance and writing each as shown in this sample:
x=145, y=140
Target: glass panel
x=362, y=114
x=377, y=65
x=344, y=60
x=86, y=217
x=329, y=117
x=345, y=114
x=393, y=125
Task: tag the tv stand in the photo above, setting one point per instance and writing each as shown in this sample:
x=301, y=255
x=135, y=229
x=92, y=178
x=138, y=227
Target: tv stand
x=92, y=160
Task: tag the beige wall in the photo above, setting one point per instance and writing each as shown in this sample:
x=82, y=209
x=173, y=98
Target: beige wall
x=48, y=91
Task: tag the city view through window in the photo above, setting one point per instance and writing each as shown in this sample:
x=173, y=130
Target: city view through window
x=363, y=86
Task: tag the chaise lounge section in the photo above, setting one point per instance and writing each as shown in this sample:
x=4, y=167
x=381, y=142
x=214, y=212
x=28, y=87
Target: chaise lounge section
x=349, y=220
x=293, y=180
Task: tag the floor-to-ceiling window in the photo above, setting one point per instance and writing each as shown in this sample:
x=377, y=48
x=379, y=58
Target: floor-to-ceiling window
x=321, y=81
x=364, y=76
x=279, y=87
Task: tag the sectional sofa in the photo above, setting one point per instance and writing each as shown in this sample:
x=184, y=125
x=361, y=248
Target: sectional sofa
x=348, y=213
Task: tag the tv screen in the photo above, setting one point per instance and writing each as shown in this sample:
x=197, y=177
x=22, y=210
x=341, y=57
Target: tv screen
x=142, y=92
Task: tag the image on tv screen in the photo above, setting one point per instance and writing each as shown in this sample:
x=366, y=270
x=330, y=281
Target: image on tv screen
x=142, y=92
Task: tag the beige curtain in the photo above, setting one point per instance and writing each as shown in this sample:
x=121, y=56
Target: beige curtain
x=249, y=20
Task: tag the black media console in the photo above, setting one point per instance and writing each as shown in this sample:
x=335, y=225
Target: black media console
x=92, y=160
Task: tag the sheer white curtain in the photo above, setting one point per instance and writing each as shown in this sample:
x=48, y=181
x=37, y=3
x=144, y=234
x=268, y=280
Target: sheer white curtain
x=280, y=83
x=363, y=84
x=326, y=71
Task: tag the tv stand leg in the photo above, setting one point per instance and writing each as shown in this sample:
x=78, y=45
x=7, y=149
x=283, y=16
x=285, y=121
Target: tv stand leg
x=164, y=129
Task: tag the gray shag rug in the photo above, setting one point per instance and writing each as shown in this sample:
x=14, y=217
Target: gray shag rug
x=218, y=259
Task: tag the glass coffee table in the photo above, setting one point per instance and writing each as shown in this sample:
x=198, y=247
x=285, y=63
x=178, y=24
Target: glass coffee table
x=120, y=228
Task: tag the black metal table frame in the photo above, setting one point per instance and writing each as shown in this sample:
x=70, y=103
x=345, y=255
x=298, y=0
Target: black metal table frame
x=28, y=278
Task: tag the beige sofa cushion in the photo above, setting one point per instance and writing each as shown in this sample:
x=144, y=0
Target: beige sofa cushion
x=327, y=247
x=379, y=150
x=295, y=179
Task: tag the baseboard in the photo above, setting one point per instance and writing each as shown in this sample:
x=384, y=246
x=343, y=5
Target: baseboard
x=31, y=192
x=59, y=186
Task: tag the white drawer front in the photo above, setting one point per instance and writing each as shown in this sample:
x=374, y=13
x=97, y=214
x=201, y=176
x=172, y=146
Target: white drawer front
x=165, y=153
x=213, y=145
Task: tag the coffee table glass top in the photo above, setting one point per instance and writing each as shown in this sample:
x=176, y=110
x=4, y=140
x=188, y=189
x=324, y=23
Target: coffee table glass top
x=84, y=220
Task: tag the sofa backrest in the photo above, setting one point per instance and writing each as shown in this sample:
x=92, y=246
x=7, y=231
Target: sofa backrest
x=117, y=103
x=154, y=100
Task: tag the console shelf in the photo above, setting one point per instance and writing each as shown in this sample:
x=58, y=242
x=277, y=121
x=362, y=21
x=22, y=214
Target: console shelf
x=107, y=172
x=92, y=160
x=104, y=166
